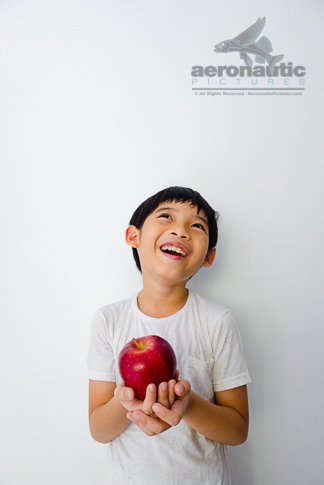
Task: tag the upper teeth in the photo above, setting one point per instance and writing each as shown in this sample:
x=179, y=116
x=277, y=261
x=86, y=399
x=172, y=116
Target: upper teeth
x=173, y=248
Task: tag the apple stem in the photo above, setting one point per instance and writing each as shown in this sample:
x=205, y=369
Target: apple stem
x=139, y=346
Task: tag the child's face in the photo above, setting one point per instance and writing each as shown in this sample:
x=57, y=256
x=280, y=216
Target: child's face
x=173, y=242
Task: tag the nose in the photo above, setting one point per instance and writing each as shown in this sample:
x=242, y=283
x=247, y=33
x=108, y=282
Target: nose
x=183, y=234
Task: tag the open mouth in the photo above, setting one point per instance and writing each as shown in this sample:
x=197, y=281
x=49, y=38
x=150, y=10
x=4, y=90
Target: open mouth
x=174, y=251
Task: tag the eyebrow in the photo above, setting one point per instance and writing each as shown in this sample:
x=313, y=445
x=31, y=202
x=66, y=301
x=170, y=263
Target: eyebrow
x=172, y=209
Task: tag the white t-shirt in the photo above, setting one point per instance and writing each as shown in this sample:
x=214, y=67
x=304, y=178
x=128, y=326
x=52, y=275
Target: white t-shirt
x=209, y=354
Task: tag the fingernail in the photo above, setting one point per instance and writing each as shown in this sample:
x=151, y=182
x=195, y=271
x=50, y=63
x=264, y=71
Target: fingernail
x=171, y=385
x=135, y=416
x=164, y=386
x=152, y=387
x=180, y=388
x=128, y=394
x=155, y=408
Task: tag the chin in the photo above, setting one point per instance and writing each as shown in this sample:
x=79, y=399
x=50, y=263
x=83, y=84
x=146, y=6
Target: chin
x=176, y=277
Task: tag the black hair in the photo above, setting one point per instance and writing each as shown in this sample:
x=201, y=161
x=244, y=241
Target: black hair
x=175, y=194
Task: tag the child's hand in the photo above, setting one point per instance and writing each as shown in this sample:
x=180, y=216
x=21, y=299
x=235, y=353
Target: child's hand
x=166, y=396
x=127, y=398
x=165, y=417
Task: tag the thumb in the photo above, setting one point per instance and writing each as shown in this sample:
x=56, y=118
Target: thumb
x=124, y=393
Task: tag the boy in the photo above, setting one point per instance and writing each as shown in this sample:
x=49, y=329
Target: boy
x=179, y=433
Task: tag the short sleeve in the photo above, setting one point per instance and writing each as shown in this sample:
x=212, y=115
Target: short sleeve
x=100, y=360
x=230, y=368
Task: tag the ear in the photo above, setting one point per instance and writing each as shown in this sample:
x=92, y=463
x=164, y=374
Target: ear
x=132, y=236
x=210, y=256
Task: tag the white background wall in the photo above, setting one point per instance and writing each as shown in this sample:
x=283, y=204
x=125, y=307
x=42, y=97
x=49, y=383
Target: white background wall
x=96, y=114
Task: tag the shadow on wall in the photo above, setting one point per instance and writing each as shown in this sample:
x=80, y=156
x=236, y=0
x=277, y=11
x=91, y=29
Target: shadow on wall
x=241, y=465
x=211, y=283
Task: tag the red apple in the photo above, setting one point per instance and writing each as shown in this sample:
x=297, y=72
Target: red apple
x=147, y=360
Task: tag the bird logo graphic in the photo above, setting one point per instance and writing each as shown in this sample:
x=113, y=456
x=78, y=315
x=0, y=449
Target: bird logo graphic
x=245, y=44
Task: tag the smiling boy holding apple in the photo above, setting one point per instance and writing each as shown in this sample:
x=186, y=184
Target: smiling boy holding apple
x=192, y=418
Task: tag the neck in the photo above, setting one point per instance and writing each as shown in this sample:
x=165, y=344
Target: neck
x=162, y=302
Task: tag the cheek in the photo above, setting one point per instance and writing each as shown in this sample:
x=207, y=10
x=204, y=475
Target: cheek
x=204, y=251
x=147, y=245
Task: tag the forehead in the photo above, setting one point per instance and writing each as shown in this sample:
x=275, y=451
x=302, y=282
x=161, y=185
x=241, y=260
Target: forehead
x=184, y=208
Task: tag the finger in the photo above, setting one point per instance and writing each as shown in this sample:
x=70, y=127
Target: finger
x=177, y=375
x=163, y=394
x=136, y=419
x=150, y=426
x=150, y=399
x=171, y=417
x=182, y=387
x=172, y=396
